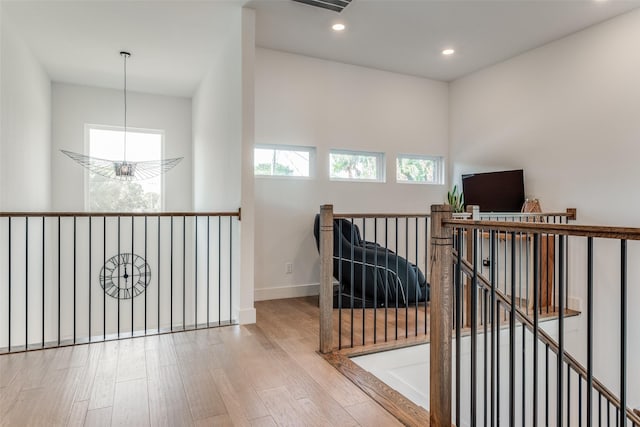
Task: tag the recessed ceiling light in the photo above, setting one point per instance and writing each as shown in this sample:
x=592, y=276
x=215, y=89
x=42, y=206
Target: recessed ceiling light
x=448, y=52
x=338, y=27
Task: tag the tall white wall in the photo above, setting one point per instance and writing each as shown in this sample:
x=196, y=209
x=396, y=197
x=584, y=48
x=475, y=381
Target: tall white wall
x=25, y=132
x=306, y=101
x=74, y=106
x=222, y=126
x=568, y=114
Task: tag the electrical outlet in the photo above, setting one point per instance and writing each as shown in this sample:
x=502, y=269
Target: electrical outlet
x=288, y=268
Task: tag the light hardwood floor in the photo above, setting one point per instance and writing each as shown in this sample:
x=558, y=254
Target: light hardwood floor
x=258, y=375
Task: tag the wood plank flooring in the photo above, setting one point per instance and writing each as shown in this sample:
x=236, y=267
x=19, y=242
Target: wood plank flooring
x=267, y=374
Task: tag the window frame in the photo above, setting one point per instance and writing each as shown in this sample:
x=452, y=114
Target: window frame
x=438, y=173
x=380, y=165
x=87, y=149
x=282, y=147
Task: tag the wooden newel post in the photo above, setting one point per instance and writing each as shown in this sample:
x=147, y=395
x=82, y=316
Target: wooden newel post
x=326, y=278
x=441, y=317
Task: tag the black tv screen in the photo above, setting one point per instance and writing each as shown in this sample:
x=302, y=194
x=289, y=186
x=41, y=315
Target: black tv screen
x=495, y=191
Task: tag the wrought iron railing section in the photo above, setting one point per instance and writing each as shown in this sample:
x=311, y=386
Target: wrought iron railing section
x=72, y=278
x=509, y=367
x=378, y=268
x=374, y=280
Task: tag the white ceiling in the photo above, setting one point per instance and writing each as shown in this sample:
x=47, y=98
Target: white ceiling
x=407, y=36
x=172, y=41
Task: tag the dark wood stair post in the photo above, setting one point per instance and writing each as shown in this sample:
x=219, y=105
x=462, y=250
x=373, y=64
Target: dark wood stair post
x=441, y=317
x=326, y=278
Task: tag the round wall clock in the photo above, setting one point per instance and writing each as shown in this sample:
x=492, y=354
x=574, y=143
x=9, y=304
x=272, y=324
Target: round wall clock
x=125, y=276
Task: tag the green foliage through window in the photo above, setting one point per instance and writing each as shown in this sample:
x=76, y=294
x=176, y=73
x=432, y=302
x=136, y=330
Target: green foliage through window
x=356, y=166
x=419, y=169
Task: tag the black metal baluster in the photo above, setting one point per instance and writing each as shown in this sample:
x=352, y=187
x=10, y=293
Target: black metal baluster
x=104, y=277
x=623, y=331
x=196, y=275
x=406, y=293
x=89, y=281
x=364, y=261
x=171, y=278
x=339, y=223
x=524, y=382
x=485, y=303
x=474, y=331
x=426, y=267
x=145, y=275
x=26, y=286
x=43, y=278
x=512, y=335
x=208, y=264
x=159, y=264
x=568, y=395
x=352, y=274
x=561, y=290
x=386, y=276
x=495, y=328
x=132, y=275
x=417, y=284
x=589, y=331
x=219, y=270
x=119, y=262
x=536, y=322
x=458, y=322
x=498, y=423
x=230, y=270
x=184, y=272
x=397, y=280
x=375, y=280
x=9, y=285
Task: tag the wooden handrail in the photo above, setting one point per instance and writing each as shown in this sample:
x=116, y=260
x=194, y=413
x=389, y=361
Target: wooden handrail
x=112, y=214
x=627, y=233
x=632, y=415
x=380, y=215
x=569, y=214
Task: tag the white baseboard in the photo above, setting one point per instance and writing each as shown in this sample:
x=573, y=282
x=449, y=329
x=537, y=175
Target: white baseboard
x=282, y=292
x=247, y=316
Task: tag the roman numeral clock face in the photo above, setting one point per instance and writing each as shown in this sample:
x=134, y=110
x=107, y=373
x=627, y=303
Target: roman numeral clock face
x=125, y=276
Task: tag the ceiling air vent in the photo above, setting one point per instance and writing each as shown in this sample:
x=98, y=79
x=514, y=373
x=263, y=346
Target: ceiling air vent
x=335, y=5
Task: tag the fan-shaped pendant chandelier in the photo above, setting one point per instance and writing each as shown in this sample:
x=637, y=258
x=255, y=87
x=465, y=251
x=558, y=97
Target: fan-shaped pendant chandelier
x=124, y=170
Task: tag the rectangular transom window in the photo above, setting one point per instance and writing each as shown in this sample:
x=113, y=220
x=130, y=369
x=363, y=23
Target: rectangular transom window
x=283, y=160
x=356, y=165
x=109, y=195
x=419, y=169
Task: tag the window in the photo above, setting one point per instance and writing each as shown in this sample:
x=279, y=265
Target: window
x=107, y=195
x=419, y=169
x=356, y=165
x=282, y=160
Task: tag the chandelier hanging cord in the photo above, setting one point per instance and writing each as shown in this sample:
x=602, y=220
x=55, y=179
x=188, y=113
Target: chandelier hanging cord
x=125, y=55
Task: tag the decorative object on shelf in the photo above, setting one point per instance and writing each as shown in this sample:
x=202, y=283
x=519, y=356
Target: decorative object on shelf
x=456, y=200
x=124, y=170
x=532, y=206
x=125, y=276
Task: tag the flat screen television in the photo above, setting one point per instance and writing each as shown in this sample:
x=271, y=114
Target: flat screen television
x=495, y=191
